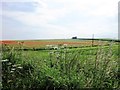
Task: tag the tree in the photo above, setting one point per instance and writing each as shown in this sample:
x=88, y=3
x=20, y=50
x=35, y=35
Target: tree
x=74, y=37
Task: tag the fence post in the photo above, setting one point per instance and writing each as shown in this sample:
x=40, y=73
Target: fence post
x=92, y=40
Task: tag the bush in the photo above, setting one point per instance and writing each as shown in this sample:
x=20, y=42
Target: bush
x=63, y=69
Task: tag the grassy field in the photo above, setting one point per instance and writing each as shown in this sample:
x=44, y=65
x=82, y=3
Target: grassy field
x=61, y=69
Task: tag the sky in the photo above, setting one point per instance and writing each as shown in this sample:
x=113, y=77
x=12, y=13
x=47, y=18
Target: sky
x=58, y=19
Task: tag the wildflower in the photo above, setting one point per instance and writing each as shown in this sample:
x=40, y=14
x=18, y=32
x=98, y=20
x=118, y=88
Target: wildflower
x=6, y=60
x=14, y=65
x=9, y=81
x=49, y=46
x=20, y=67
x=55, y=48
x=13, y=69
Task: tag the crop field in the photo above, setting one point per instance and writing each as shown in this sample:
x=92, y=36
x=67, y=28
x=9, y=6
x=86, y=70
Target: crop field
x=43, y=43
x=63, y=68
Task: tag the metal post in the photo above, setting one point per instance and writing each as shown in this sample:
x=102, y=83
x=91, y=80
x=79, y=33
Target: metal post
x=92, y=40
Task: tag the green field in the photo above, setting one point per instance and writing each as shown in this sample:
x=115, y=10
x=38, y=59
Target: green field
x=61, y=69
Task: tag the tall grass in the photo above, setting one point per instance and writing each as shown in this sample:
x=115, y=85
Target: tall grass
x=61, y=69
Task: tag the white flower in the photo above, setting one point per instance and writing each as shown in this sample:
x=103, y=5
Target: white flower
x=49, y=46
x=20, y=67
x=6, y=60
x=13, y=69
x=55, y=47
x=14, y=65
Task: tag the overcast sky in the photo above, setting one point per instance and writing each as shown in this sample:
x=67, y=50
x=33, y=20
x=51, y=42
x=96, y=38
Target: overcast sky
x=54, y=19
